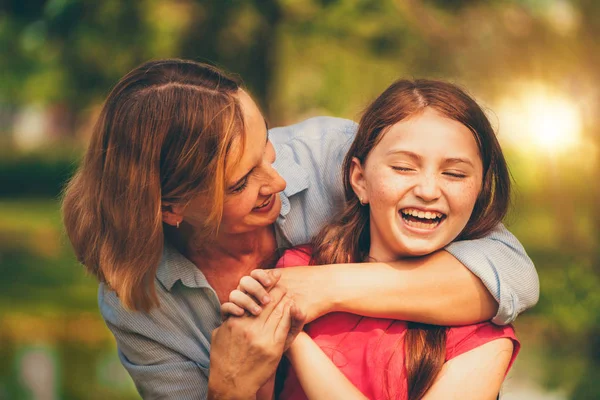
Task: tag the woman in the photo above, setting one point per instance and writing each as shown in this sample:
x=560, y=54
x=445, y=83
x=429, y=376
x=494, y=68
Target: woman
x=424, y=169
x=180, y=195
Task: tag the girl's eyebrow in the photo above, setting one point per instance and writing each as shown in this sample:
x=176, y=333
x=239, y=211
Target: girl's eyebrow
x=458, y=160
x=407, y=153
x=416, y=157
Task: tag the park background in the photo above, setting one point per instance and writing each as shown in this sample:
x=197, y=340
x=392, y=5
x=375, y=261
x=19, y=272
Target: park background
x=534, y=64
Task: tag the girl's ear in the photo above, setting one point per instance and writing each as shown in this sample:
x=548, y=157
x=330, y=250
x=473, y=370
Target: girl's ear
x=358, y=181
x=172, y=214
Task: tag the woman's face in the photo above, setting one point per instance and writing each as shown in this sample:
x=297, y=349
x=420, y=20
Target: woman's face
x=421, y=182
x=251, y=197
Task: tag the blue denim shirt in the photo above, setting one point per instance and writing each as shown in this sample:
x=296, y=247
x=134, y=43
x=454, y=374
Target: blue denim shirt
x=166, y=351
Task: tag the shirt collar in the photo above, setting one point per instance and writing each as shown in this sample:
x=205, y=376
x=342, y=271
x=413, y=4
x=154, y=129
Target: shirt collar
x=175, y=267
x=295, y=176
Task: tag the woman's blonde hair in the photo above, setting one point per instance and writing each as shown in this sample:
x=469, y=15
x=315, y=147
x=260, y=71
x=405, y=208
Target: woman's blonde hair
x=162, y=138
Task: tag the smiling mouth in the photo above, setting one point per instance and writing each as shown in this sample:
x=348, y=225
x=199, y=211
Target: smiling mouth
x=422, y=219
x=265, y=204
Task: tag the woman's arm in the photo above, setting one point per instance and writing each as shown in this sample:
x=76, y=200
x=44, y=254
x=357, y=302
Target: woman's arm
x=469, y=282
x=317, y=374
x=476, y=374
x=436, y=289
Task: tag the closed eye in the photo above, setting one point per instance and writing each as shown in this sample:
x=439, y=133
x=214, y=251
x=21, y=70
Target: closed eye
x=455, y=174
x=241, y=186
x=402, y=169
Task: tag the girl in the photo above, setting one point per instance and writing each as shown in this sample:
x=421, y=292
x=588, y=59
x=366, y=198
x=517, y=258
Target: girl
x=424, y=170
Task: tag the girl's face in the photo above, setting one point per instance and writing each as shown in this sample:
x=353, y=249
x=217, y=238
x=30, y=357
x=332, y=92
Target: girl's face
x=251, y=193
x=421, y=182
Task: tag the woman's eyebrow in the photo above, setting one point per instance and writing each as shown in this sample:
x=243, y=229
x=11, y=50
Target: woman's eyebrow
x=239, y=181
x=267, y=128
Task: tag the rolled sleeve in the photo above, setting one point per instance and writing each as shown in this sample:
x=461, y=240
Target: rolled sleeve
x=502, y=264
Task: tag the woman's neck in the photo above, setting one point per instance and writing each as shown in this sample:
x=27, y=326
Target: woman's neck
x=238, y=246
x=231, y=256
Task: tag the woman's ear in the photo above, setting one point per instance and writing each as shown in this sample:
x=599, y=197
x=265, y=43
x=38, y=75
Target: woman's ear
x=358, y=181
x=172, y=214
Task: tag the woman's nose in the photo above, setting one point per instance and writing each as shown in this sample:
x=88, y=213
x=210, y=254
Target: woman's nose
x=273, y=182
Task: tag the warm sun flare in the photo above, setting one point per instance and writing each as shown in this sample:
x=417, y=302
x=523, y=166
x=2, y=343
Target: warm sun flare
x=540, y=119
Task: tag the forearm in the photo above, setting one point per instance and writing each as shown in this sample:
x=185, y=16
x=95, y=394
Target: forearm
x=504, y=267
x=317, y=374
x=436, y=289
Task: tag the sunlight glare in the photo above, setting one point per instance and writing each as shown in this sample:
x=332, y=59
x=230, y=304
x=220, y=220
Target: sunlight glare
x=542, y=120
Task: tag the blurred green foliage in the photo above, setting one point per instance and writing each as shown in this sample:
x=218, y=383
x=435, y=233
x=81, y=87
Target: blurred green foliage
x=35, y=175
x=298, y=58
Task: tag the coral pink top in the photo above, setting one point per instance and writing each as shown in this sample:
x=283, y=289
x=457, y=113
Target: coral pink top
x=370, y=351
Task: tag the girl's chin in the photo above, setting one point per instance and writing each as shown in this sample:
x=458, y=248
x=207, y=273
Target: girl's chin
x=417, y=247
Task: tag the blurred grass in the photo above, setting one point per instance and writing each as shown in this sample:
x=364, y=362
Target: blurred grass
x=48, y=300
x=44, y=275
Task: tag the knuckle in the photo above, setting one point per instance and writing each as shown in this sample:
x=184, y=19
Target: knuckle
x=259, y=273
x=235, y=294
x=249, y=335
x=278, y=292
x=278, y=311
x=246, y=281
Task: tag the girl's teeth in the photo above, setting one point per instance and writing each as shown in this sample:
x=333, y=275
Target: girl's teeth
x=422, y=225
x=422, y=214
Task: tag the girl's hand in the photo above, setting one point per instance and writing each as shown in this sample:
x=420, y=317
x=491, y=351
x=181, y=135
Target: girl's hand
x=251, y=293
x=261, y=284
x=309, y=287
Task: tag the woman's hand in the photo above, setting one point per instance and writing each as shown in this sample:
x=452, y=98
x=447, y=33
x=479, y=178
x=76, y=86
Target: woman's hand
x=251, y=293
x=245, y=351
x=260, y=285
x=307, y=286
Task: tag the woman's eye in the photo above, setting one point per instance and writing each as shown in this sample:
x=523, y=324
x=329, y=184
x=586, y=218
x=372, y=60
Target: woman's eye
x=240, y=188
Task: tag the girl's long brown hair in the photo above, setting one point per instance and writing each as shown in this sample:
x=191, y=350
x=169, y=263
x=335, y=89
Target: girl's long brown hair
x=347, y=238
x=161, y=138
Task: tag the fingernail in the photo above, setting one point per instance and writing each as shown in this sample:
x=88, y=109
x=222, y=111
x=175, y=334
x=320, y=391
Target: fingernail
x=268, y=282
x=256, y=310
x=266, y=300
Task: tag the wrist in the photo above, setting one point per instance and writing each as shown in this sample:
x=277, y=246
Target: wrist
x=298, y=345
x=330, y=296
x=219, y=389
x=335, y=298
